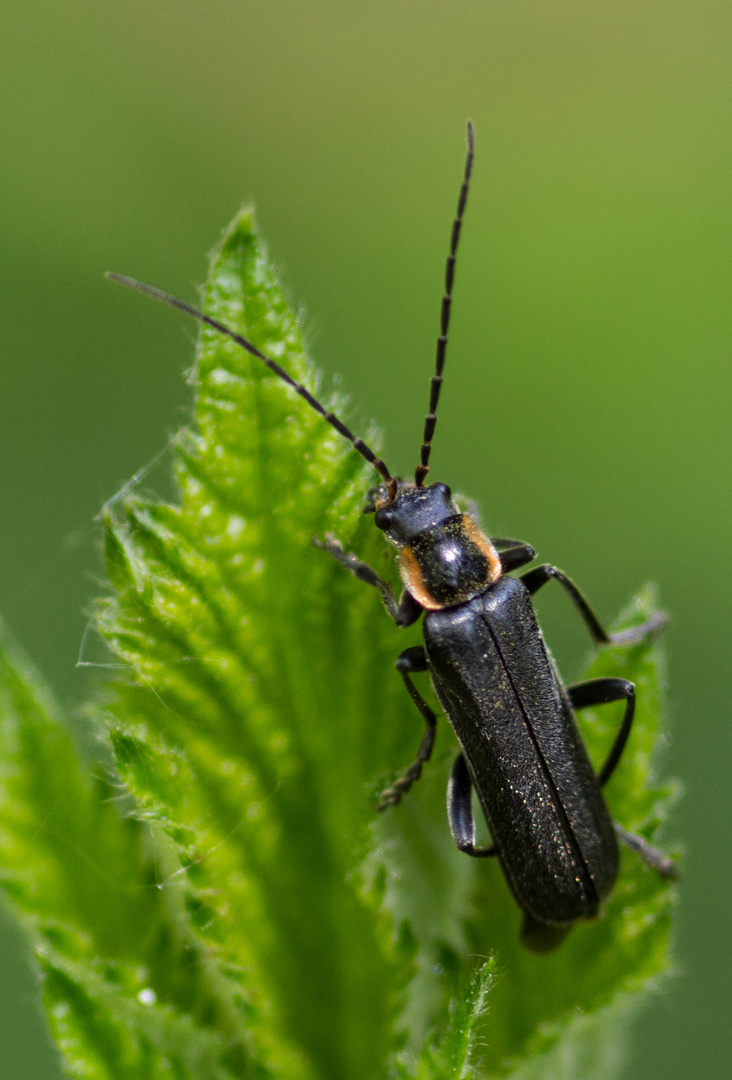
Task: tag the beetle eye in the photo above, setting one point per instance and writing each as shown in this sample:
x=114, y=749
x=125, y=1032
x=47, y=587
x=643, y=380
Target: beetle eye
x=443, y=489
x=384, y=517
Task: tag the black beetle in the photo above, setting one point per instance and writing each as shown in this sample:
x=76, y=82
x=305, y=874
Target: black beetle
x=521, y=750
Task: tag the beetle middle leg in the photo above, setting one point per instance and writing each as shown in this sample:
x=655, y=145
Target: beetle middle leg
x=460, y=811
x=539, y=576
x=600, y=692
x=412, y=660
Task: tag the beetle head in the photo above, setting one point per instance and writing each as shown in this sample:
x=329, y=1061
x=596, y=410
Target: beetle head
x=413, y=509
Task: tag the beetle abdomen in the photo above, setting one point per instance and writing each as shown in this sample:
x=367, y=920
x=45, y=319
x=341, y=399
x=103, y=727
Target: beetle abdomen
x=538, y=790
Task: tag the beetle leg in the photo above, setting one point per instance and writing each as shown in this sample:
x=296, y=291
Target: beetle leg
x=513, y=553
x=541, y=574
x=460, y=811
x=411, y=660
x=404, y=613
x=651, y=856
x=601, y=692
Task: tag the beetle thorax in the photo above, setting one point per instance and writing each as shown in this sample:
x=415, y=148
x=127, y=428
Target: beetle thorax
x=445, y=558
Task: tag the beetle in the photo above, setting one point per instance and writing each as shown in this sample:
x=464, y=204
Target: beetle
x=521, y=751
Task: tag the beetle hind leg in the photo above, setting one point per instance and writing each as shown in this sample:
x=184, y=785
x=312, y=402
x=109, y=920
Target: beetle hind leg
x=651, y=856
x=460, y=811
x=599, y=692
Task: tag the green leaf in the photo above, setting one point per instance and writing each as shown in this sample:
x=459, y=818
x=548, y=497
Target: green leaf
x=128, y=991
x=250, y=728
x=452, y=1055
x=229, y=904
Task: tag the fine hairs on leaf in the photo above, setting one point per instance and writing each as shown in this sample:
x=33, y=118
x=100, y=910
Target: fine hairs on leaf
x=214, y=897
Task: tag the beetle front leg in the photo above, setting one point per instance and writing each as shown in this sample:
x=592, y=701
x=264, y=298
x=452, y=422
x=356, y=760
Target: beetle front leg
x=541, y=574
x=460, y=811
x=512, y=553
x=404, y=613
x=411, y=660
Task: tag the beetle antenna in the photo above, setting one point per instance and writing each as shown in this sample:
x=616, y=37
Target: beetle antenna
x=334, y=421
x=431, y=419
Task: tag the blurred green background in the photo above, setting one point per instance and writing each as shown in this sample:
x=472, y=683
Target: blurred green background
x=587, y=402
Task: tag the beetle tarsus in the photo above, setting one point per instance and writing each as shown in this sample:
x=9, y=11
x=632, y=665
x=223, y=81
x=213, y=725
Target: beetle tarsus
x=651, y=855
x=411, y=660
x=394, y=794
x=634, y=635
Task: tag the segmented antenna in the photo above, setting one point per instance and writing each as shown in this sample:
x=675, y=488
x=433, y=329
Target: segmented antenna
x=358, y=444
x=431, y=419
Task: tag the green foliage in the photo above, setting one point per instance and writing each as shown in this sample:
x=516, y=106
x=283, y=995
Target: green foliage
x=226, y=904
